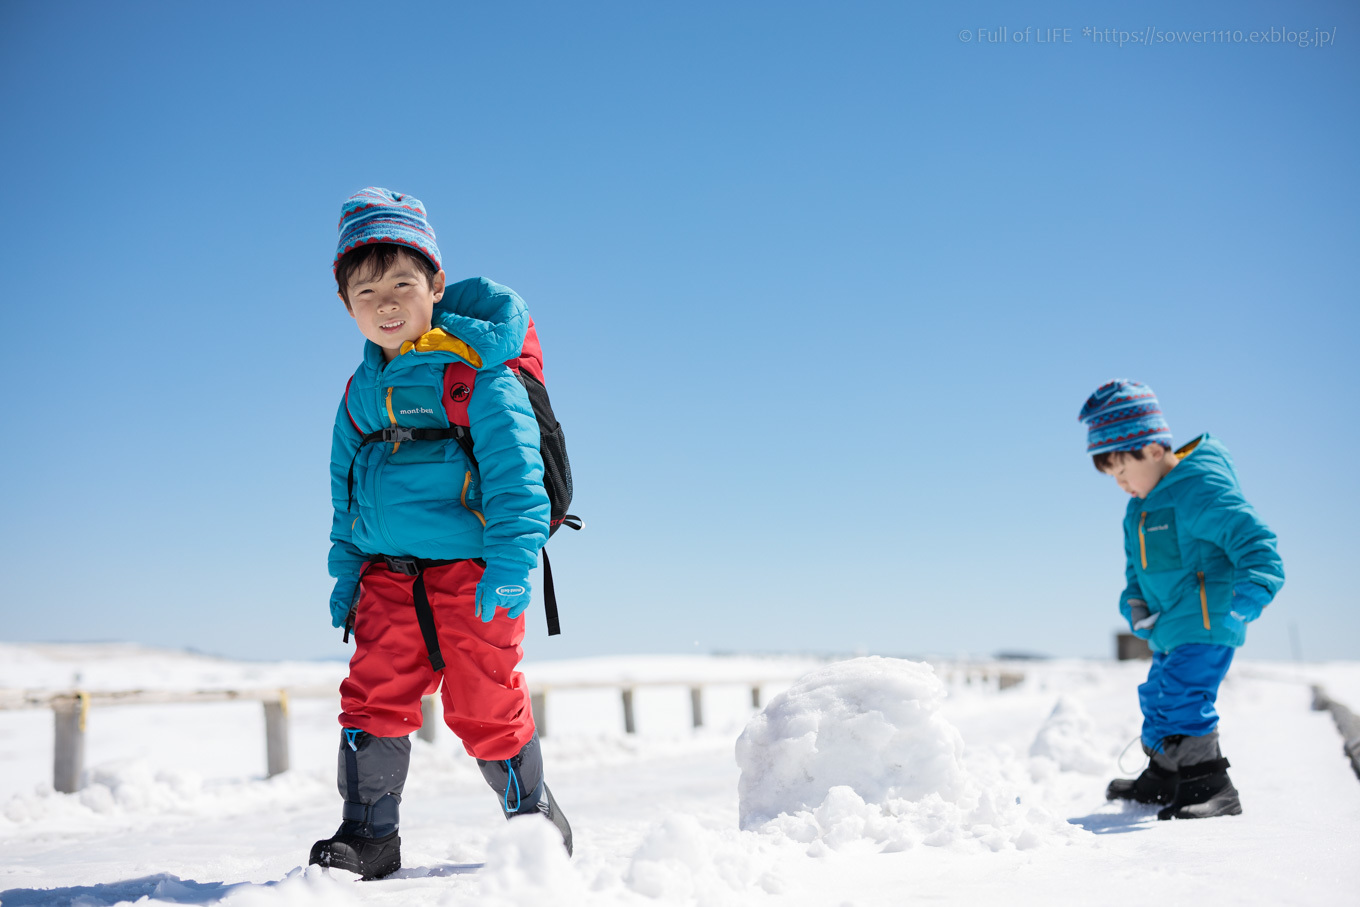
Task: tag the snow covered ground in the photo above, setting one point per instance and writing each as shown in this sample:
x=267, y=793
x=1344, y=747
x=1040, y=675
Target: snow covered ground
x=920, y=786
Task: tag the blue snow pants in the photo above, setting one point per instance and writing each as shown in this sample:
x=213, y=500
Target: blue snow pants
x=1178, y=697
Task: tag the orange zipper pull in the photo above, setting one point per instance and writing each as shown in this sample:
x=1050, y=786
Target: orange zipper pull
x=1142, y=543
x=1203, y=600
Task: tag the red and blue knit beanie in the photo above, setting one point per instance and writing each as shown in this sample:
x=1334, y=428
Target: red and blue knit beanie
x=1123, y=415
x=381, y=215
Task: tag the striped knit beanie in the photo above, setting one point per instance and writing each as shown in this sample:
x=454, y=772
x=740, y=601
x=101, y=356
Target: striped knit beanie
x=381, y=215
x=1123, y=415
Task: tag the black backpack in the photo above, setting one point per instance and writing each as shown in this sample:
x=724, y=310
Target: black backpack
x=459, y=378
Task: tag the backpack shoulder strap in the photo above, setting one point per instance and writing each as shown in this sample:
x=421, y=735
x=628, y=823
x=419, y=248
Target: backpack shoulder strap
x=459, y=379
x=347, y=412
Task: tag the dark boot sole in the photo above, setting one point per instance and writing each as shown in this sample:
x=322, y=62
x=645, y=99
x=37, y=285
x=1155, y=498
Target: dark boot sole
x=558, y=819
x=374, y=862
x=1129, y=796
x=1209, y=809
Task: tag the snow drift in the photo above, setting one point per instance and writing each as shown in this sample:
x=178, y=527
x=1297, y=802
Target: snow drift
x=858, y=751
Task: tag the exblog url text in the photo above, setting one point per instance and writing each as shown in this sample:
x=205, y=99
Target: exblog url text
x=1148, y=37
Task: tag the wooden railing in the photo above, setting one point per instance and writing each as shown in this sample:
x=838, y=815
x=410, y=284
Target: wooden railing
x=1347, y=722
x=70, y=710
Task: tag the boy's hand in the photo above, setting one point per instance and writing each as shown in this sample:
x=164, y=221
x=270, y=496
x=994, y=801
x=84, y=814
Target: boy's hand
x=1249, y=600
x=343, y=598
x=1141, y=620
x=502, y=588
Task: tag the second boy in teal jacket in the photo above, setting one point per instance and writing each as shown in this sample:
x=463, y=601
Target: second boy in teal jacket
x=1190, y=544
x=1200, y=565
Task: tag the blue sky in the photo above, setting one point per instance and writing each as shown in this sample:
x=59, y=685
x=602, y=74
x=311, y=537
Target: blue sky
x=821, y=289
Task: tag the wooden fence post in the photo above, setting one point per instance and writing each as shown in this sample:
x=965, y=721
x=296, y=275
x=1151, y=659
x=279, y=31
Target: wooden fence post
x=428, y=719
x=696, y=705
x=276, y=734
x=629, y=726
x=68, y=756
x=538, y=705
x=1128, y=647
x=755, y=695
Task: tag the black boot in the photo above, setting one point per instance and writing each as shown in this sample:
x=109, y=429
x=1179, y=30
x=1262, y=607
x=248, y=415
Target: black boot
x=371, y=858
x=1154, y=785
x=519, y=781
x=1205, y=791
x=372, y=773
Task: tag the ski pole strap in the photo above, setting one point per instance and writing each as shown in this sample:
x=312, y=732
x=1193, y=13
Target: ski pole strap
x=395, y=434
x=550, y=597
x=415, y=566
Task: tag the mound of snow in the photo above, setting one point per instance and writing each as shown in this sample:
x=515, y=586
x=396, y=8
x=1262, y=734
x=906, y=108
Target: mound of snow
x=1067, y=737
x=680, y=860
x=858, y=752
x=526, y=864
x=870, y=724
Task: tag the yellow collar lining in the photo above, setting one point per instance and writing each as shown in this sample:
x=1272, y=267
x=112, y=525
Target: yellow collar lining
x=441, y=340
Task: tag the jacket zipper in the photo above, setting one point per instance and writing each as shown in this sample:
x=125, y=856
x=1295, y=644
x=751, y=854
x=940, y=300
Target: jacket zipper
x=377, y=486
x=396, y=446
x=467, y=480
x=1203, y=600
x=1142, y=543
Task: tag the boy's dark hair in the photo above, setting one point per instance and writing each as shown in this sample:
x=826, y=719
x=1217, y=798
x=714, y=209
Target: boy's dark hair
x=376, y=258
x=1107, y=459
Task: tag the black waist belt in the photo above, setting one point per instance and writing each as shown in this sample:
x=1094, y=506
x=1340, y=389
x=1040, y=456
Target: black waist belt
x=416, y=566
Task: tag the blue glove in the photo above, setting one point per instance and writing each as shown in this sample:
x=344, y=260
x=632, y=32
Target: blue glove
x=1249, y=600
x=1141, y=621
x=343, y=599
x=502, y=587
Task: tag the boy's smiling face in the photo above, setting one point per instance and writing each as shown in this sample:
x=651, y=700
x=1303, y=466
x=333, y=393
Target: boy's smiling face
x=1139, y=477
x=395, y=306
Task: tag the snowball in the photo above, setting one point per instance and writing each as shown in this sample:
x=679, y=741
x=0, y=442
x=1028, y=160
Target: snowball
x=869, y=724
x=857, y=754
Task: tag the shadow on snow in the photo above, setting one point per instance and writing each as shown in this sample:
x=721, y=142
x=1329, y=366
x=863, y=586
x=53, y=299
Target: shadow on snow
x=1131, y=817
x=174, y=890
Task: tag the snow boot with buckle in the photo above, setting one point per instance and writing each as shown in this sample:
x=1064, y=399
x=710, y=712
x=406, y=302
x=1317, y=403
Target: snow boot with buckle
x=1155, y=785
x=372, y=773
x=371, y=858
x=1205, y=791
x=519, y=782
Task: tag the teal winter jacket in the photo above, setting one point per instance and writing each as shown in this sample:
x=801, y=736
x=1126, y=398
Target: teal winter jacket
x=424, y=498
x=1189, y=543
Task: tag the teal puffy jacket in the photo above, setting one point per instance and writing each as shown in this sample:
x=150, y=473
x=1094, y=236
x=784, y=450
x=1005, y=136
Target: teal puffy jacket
x=1189, y=543
x=424, y=498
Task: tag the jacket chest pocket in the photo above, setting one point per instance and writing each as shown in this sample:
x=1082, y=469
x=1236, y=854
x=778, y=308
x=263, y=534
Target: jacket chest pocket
x=415, y=407
x=1158, y=544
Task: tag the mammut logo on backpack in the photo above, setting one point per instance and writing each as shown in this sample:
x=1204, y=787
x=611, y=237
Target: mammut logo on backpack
x=459, y=392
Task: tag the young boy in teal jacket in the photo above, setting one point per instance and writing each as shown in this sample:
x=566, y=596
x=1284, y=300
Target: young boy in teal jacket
x=1200, y=566
x=431, y=543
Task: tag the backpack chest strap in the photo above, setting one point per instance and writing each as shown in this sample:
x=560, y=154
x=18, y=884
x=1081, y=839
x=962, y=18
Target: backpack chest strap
x=395, y=434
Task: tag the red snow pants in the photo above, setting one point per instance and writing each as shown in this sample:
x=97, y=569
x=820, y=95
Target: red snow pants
x=486, y=701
